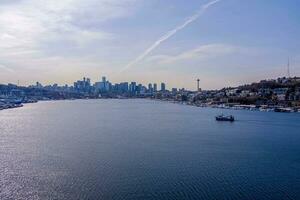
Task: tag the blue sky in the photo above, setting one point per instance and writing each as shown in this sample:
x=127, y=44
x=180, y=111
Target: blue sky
x=232, y=42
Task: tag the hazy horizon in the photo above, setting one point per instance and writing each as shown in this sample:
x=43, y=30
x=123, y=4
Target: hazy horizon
x=222, y=42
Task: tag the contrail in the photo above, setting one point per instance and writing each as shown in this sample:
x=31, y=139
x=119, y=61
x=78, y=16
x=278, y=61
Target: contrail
x=170, y=34
x=3, y=67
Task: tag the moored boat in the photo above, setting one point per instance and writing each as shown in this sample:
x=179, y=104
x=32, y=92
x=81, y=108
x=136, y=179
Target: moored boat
x=283, y=110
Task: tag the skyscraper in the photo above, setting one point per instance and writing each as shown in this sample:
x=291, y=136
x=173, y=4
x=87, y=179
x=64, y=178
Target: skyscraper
x=83, y=86
x=132, y=87
x=124, y=87
x=155, y=87
x=103, y=86
x=163, y=87
x=150, y=89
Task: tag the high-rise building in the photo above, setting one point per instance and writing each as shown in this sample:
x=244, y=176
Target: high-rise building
x=163, y=87
x=124, y=87
x=143, y=90
x=83, y=86
x=139, y=88
x=132, y=87
x=103, y=86
x=174, y=90
x=155, y=87
x=150, y=89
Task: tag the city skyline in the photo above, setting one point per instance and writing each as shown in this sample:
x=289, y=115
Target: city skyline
x=104, y=85
x=54, y=42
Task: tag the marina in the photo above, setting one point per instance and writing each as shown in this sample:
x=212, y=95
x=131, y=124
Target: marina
x=10, y=103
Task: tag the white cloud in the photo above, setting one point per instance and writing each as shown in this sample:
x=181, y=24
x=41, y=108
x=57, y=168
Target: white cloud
x=203, y=52
x=26, y=23
x=39, y=33
x=31, y=24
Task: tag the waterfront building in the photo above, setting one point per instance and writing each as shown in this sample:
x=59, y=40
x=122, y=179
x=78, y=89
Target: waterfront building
x=280, y=91
x=17, y=93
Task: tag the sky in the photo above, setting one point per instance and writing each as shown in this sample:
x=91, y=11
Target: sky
x=221, y=42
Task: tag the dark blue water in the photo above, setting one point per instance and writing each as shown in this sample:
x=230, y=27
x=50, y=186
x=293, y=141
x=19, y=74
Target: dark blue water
x=141, y=149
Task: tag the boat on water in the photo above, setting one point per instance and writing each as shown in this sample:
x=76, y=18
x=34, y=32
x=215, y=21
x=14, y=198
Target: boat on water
x=222, y=117
x=283, y=110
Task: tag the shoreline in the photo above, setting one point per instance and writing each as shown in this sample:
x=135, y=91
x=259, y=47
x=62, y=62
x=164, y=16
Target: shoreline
x=261, y=108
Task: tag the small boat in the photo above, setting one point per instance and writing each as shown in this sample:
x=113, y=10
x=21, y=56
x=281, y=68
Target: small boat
x=222, y=117
x=283, y=110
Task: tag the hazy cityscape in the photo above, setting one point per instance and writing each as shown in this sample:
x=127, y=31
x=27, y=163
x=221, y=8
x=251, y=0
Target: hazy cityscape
x=280, y=95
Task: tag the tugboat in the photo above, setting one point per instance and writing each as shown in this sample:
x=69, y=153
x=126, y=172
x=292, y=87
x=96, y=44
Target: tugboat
x=222, y=117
